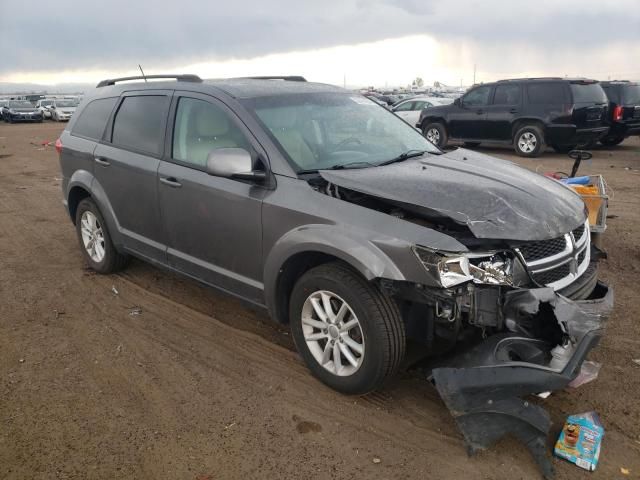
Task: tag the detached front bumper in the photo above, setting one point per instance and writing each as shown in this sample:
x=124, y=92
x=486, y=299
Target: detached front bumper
x=482, y=387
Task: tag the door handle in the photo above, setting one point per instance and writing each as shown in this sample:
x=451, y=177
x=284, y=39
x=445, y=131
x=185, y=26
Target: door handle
x=171, y=181
x=102, y=161
x=513, y=110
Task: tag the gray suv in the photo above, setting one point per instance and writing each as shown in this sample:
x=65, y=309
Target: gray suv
x=345, y=223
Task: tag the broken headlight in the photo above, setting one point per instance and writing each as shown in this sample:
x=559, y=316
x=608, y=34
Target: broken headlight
x=453, y=269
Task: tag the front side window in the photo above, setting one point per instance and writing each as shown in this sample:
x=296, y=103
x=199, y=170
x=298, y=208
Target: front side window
x=325, y=130
x=139, y=123
x=477, y=97
x=201, y=127
x=405, y=107
x=507, y=95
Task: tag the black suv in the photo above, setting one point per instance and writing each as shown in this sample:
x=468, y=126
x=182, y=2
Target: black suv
x=624, y=111
x=527, y=113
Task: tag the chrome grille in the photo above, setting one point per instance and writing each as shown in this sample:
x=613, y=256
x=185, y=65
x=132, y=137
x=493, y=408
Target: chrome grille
x=557, y=262
x=546, y=248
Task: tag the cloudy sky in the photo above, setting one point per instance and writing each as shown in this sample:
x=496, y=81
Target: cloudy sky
x=366, y=42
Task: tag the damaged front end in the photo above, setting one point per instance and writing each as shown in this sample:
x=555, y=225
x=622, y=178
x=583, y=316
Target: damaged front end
x=484, y=385
x=504, y=336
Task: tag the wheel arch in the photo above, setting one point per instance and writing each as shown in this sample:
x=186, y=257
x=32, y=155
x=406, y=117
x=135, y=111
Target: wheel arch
x=305, y=248
x=433, y=119
x=525, y=122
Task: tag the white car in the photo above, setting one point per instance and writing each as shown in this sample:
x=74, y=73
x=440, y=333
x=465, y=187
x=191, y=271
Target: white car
x=62, y=110
x=43, y=105
x=409, y=109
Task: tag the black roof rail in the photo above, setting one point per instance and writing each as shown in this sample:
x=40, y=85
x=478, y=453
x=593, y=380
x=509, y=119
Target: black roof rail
x=288, y=78
x=179, y=78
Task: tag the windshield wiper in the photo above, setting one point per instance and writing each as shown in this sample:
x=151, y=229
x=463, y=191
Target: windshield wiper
x=341, y=166
x=404, y=156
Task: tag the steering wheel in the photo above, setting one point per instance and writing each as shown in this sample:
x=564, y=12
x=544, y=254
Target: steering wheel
x=580, y=155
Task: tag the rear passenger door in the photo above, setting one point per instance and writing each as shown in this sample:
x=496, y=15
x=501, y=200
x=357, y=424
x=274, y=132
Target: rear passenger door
x=213, y=225
x=502, y=112
x=126, y=167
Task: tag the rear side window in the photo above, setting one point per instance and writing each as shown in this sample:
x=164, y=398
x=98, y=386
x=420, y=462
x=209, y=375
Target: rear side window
x=93, y=119
x=545, y=93
x=139, y=123
x=588, y=93
x=507, y=95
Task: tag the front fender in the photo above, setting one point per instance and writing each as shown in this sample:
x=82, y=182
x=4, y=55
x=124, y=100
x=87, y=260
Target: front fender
x=352, y=247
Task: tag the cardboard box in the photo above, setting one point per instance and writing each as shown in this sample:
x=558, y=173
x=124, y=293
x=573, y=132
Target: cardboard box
x=580, y=440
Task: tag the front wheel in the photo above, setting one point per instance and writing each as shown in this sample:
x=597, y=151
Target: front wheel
x=349, y=333
x=436, y=133
x=528, y=141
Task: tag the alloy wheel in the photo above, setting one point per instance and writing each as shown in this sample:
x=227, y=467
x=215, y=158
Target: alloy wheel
x=433, y=135
x=92, y=236
x=527, y=142
x=332, y=333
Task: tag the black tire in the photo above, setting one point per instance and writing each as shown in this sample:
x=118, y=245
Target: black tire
x=113, y=260
x=471, y=144
x=611, y=141
x=529, y=150
x=380, y=324
x=563, y=148
x=440, y=139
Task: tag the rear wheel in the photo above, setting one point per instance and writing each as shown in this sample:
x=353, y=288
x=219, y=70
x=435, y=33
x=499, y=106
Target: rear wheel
x=95, y=240
x=436, y=133
x=528, y=141
x=611, y=141
x=348, y=332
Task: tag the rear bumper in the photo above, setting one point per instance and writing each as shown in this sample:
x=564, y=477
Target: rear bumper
x=572, y=135
x=482, y=387
x=624, y=129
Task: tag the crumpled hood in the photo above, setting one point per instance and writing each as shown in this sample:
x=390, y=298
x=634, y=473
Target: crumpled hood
x=496, y=199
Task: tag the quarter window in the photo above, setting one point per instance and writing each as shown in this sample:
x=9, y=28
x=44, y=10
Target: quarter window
x=201, y=127
x=477, y=97
x=139, y=123
x=507, y=95
x=93, y=118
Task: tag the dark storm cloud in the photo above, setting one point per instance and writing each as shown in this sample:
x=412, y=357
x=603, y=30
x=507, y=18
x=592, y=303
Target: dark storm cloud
x=69, y=34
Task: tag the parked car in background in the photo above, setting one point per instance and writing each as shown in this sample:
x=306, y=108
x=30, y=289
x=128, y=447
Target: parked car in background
x=382, y=99
x=410, y=108
x=62, y=110
x=21, y=111
x=43, y=105
x=624, y=111
x=526, y=113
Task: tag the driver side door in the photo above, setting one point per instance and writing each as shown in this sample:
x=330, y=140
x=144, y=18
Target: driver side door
x=213, y=225
x=467, y=119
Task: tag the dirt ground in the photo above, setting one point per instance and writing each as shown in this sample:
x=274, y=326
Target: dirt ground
x=198, y=386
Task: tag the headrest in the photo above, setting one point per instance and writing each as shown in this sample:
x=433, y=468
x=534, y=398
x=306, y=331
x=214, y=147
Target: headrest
x=210, y=122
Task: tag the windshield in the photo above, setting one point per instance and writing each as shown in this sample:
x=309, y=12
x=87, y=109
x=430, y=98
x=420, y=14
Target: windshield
x=46, y=103
x=20, y=104
x=329, y=130
x=588, y=93
x=65, y=103
x=631, y=94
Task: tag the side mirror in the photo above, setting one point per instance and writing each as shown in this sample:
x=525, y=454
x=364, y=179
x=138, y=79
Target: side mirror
x=233, y=163
x=457, y=102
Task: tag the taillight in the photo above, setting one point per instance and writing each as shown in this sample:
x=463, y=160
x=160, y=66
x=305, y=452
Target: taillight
x=58, y=146
x=617, y=113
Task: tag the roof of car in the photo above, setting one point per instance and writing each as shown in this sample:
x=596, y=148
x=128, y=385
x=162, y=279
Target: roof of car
x=235, y=87
x=251, y=87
